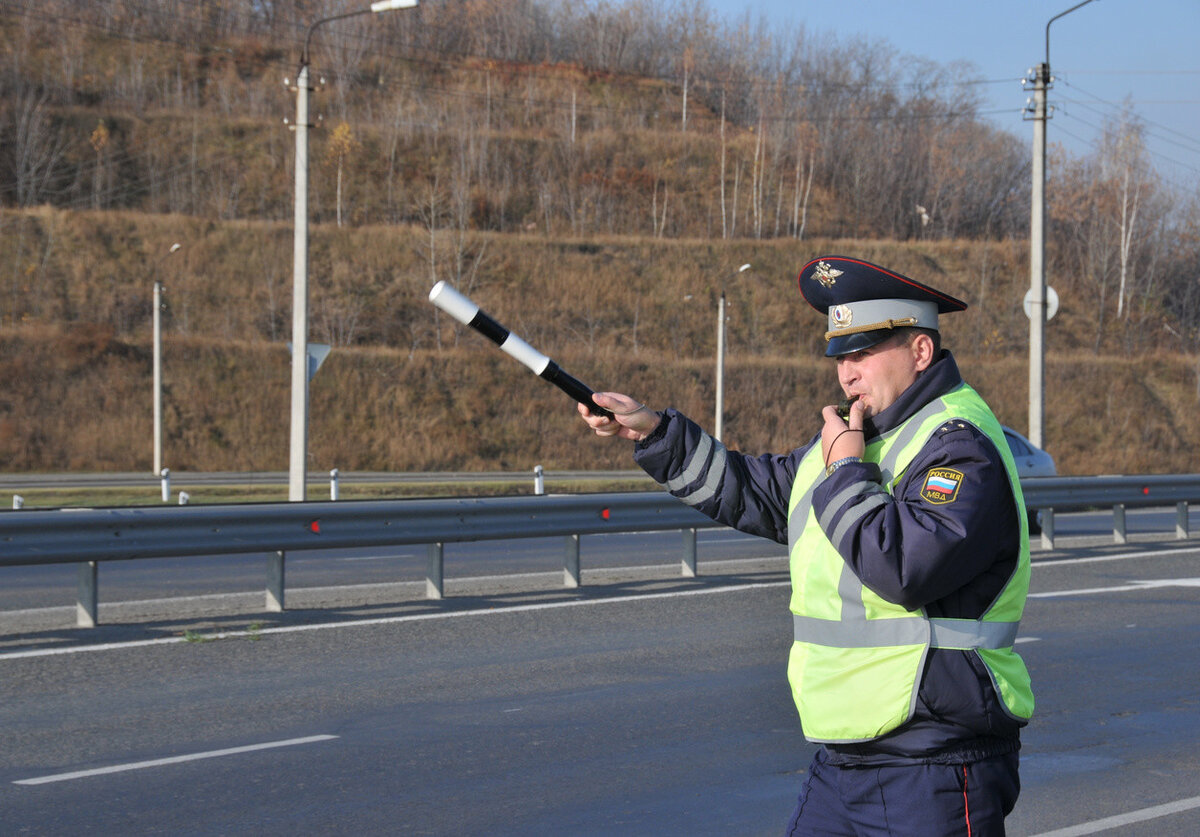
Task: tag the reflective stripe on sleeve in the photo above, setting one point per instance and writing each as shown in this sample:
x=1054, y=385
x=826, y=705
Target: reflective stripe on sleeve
x=700, y=466
x=873, y=496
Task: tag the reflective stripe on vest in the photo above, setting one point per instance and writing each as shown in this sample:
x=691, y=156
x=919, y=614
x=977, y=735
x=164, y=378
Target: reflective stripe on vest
x=960, y=634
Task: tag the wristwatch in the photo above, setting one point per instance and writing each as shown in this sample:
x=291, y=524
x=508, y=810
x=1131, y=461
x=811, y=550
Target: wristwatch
x=833, y=466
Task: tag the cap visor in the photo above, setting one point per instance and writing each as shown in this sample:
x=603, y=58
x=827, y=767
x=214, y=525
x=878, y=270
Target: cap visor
x=852, y=343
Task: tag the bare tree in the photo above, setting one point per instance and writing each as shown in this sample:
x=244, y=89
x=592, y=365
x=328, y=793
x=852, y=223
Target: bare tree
x=99, y=142
x=1123, y=164
x=35, y=147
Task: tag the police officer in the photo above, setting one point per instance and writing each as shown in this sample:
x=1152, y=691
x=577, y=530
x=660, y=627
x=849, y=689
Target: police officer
x=909, y=560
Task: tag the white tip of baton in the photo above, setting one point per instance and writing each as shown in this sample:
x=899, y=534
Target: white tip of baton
x=453, y=303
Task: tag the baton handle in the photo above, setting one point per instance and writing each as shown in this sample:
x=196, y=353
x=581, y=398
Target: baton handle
x=575, y=388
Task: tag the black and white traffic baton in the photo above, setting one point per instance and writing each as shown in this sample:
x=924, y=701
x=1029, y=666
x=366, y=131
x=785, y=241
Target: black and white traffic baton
x=461, y=308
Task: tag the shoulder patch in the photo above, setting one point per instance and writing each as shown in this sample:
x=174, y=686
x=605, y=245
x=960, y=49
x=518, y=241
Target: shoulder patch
x=941, y=485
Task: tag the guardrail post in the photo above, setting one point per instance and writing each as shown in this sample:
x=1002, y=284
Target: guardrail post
x=571, y=566
x=435, y=578
x=1181, y=520
x=539, y=480
x=333, y=484
x=1047, y=528
x=1119, y=534
x=688, y=567
x=275, y=587
x=87, y=600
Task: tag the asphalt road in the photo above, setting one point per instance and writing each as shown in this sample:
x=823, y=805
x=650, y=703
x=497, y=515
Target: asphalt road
x=633, y=706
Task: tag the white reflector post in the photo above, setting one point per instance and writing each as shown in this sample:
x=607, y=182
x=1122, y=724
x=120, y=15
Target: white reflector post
x=389, y=5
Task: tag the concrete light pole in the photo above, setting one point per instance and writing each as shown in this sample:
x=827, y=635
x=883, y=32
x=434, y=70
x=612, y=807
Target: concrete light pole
x=1037, y=244
x=298, y=459
x=720, y=407
x=158, y=388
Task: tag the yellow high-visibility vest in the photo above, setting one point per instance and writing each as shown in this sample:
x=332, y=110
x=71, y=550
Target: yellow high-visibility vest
x=856, y=661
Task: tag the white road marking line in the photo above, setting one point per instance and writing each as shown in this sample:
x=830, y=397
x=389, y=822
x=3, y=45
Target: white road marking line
x=141, y=765
x=389, y=620
x=1096, y=559
x=1096, y=826
x=1146, y=584
x=353, y=558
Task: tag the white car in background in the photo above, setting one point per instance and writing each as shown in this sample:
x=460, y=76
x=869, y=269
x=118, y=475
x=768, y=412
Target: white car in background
x=1031, y=462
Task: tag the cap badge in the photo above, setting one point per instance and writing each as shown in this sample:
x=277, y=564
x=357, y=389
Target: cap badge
x=842, y=316
x=826, y=275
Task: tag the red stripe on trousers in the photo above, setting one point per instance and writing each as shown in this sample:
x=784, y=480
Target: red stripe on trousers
x=966, y=804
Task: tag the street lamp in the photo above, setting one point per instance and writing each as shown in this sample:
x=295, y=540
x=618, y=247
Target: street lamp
x=720, y=409
x=158, y=397
x=297, y=469
x=1037, y=244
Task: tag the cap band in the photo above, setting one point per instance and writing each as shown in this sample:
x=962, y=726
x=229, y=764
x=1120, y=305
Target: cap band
x=874, y=314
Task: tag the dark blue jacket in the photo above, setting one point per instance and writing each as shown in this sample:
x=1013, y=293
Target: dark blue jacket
x=951, y=559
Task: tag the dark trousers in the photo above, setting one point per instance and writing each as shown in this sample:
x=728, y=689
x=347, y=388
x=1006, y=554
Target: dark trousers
x=921, y=800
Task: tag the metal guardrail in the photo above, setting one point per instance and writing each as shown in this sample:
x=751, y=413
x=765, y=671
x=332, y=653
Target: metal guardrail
x=1050, y=494
x=1074, y=492
x=89, y=536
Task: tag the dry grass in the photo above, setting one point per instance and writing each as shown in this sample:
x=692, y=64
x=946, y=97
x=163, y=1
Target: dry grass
x=474, y=409
x=407, y=390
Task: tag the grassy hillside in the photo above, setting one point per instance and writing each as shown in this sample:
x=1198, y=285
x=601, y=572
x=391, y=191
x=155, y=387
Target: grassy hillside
x=405, y=389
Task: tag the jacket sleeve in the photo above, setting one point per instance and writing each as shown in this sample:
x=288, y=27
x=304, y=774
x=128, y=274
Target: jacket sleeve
x=949, y=533
x=747, y=493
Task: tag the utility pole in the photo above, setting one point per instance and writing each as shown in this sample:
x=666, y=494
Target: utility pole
x=298, y=455
x=1037, y=259
x=297, y=465
x=719, y=423
x=1041, y=80
x=720, y=406
x=158, y=382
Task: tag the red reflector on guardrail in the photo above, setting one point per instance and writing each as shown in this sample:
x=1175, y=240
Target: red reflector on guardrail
x=604, y=513
x=315, y=527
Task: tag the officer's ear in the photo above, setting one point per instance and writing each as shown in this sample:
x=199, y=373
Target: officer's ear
x=923, y=350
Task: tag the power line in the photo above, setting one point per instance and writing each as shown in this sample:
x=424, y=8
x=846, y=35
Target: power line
x=1157, y=132
x=1136, y=72
x=1119, y=106
x=1152, y=152
x=1188, y=144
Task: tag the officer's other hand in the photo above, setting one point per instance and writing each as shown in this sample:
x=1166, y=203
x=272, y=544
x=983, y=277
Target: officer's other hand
x=836, y=442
